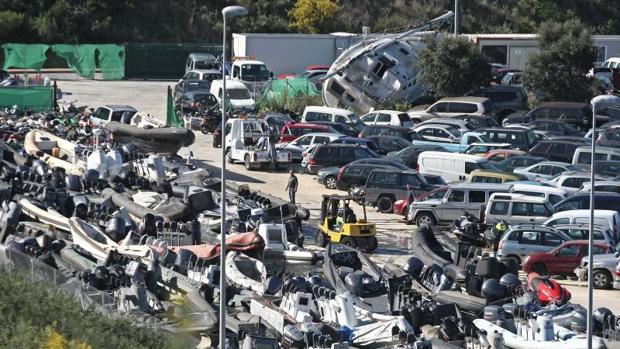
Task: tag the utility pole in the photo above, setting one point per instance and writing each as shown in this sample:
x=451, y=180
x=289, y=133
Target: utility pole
x=456, y=17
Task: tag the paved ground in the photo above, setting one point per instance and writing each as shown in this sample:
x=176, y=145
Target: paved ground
x=394, y=235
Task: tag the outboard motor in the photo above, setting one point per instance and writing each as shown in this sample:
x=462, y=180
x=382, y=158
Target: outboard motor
x=115, y=228
x=510, y=282
x=413, y=267
x=492, y=290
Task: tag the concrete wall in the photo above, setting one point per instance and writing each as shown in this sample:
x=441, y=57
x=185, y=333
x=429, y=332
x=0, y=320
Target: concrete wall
x=288, y=53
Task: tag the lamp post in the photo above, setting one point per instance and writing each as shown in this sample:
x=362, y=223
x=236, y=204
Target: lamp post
x=229, y=11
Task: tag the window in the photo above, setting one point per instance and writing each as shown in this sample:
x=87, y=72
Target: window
x=585, y=157
x=501, y=96
x=457, y=196
x=439, y=108
x=116, y=116
x=321, y=140
x=574, y=182
x=530, y=238
x=496, y=53
x=556, y=170
x=601, y=53
x=539, y=210
x=568, y=251
x=519, y=209
x=463, y=108
x=353, y=171
x=102, y=114
x=316, y=116
x=497, y=157
x=551, y=239
x=559, y=221
x=324, y=153
x=384, y=118
x=361, y=153
x=347, y=153
x=477, y=196
x=499, y=208
x=377, y=178
x=412, y=180
x=369, y=117
x=341, y=119
x=470, y=166
x=391, y=179
x=554, y=199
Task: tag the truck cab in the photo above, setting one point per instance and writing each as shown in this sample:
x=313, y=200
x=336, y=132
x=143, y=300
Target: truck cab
x=252, y=73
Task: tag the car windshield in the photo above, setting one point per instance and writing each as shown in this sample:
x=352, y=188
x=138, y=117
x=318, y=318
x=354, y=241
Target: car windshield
x=198, y=85
x=238, y=93
x=254, y=72
x=487, y=166
x=205, y=65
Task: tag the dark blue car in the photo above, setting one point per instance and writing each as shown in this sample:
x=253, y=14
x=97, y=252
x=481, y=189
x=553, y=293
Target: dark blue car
x=359, y=141
x=602, y=201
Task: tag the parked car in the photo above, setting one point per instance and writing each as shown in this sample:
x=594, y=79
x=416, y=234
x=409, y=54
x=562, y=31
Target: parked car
x=379, y=161
x=321, y=113
x=602, y=186
x=400, y=206
x=499, y=74
x=120, y=113
x=602, y=201
x=518, y=161
x=451, y=167
x=482, y=148
x=327, y=176
x=202, y=74
x=554, y=126
x=523, y=240
x=563, y=259
x=369, y=143
x=555, y=150
x=522, y=139
x=513, y=79
x=238, y=94
x=190, y=101
x=277, y=121
x=583, y=154
x=607, y=218
x=607, y=168
x=375, y=130
x=201, y=61
x=345, y=129
x=552, y=194
x=449, y=106
x=302, y=143
x=293, y=130
x=384, y=186
x=609, y=138
x=185, y=86
x=581, y=231
x=355, y=175
x=493, y=176
x=477, y=121
x=468, y=197
x=497, y=155
x=546, y=170
x=517, y=209
x=387, y=144
x=443, y=133
x=387, y=117
x=464, y=124
x=336, y=155
x=506, y=99
x=409, y=155
x=604, y=268
x=570, y=181
x=577, y=114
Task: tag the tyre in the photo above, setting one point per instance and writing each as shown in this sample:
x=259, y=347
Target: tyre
x=348, y=241
x=229, y=158
x=320, y=239
x=601, y=279
x=205, y=129
x=385, y=204
x=351, y=188
x=372, y=245
x=330, y=182
x=539, y=268
x=246, y=162
x=425, y=218
x=515, y=260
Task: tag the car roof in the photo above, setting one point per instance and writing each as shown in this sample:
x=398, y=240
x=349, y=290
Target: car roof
x=561, y=141
x=491, y=144
x=530, y=226
x=504, y=129
x=584, y=212
x=201, y=55
x=324, y=134
x=205, y=71
x=481, y=186
x=121, y=107
x=470, y=99
x=507, y=151
x=357, y=139
x=295, y=124
x=518, y=197
x=579, y=226
x=562, y=105
x=553, y=163
x=471, y=157
x=603, y=194
x=481, y=171
x=538, y=187
x=328, y=109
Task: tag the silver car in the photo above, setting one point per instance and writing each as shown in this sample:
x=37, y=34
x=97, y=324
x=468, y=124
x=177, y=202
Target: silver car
x=605, y=267
x=522, y=240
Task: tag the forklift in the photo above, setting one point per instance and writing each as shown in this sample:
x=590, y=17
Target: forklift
x=340, y=224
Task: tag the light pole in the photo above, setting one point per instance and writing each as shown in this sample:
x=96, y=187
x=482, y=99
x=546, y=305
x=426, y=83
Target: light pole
x=229, y=11
x=456, y=17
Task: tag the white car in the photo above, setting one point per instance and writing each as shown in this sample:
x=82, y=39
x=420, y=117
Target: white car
x=607, y=186
x=438, y=133
x=610, y=219
x=238, y=94
x=302, y=143
x=452, y=106
x=546, y=170
x=570, y=181
x=202, y=74
x=387, y=117
x=553, y=195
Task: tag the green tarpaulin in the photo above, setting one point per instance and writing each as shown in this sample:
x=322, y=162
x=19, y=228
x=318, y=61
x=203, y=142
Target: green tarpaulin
x=24, y=56
x=292, y=87
x=112, y=61
x=70, y=54
x=86, y=60
x=172, y=117
x=38, y=98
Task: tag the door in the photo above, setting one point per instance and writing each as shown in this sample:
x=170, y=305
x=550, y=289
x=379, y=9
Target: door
x=452, y=206
x=565, y=259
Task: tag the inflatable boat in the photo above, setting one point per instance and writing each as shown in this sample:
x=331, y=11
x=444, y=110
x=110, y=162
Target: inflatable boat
x=163, y=140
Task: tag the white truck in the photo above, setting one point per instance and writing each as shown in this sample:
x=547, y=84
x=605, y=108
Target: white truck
x=248, y=140
x=252, y=73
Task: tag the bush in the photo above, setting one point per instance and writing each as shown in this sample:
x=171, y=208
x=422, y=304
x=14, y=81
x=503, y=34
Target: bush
x=295, y=104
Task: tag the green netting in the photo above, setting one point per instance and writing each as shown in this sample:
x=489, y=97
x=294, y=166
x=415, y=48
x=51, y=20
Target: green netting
x=172, y=118
x=70, y=54
x=112, y=61
x=24, y=56
x=38, y=98
x=293, y=87
x=86, y=60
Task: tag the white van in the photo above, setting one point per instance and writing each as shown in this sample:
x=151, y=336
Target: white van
x=450, y=166
x=238, y=94
x=551, y=194
x=343, y=116
x=517, y=209
x=583, y=155
x=610, y=219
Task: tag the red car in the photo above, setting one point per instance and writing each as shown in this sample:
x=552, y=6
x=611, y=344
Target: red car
x=563, y=259
x=292, y=130
x=400, y=206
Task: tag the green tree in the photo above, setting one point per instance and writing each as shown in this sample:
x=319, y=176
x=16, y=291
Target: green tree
x=558, y=71
x=312, y=16
x=452, y=66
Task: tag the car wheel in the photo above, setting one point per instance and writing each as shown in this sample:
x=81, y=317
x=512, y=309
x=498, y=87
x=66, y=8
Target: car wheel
x=516, y=260
x=348, y=241
x=330, y=182
x=352, y=188
x=229, y=158
x=372, y=245
x=385, y=204
x=248, y=164
x=425, y=218
x=539, y=268
x=320, y=239
x=601, y=279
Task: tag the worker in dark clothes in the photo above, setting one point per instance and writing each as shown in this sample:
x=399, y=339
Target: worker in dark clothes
x=292, y=187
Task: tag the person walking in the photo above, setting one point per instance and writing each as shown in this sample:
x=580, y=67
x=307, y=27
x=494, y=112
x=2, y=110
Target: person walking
x=292, y=186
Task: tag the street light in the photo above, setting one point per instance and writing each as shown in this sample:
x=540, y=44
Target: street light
x=229, y=11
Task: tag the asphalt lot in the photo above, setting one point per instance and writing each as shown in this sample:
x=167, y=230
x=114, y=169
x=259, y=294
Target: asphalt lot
x=393, y=235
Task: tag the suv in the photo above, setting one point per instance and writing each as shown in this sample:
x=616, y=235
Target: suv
x=336, y=155
x=450, y=106
x=555, y=150
x=320, y=113
x=293, y=130
x=577, y=114
x=522, y=139
x=506, y=99
x=120, y=113
x=385, y=130
x=468, y=197
x=522, y=240
x=387, y=144
x=352, y=176
x=602, y=201
x=387, y=117
x=517, y=209
x=384, y=186
x=409, y=156
x=556, y=127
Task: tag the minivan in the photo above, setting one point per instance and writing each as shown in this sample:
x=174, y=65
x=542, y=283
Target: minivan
x=583, y=154
x=450, y=166
x=238, y=94
x=522, y=139
x=387, y=117
x=336, y=155
x=343, y=116
x=517, y=209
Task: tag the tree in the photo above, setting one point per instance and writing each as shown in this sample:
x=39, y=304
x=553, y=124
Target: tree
x=452, y=66
x=312, y=16
x=558, y=71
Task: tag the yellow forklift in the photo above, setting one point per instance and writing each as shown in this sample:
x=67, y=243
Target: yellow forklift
x=340, y=224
